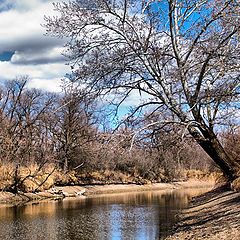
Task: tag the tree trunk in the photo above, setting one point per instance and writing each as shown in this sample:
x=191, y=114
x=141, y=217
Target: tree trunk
x=16, y=179
x=211, y=145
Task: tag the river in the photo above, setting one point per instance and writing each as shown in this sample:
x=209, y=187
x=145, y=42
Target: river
x=130, y=216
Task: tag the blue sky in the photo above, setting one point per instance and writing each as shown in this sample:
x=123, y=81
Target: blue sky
x=24, y=50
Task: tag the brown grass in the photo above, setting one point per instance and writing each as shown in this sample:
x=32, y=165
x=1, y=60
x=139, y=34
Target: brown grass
x=6, y=178
x=34, y=179
x=31, y=178
x=68, y=178
x=236, y=184
x=201, y=175
x=109, y=177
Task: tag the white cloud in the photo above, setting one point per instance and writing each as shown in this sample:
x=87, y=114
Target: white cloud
x=35, y=55
x=49, y=74
x=34, y=71
x=20, y=30
x=44, y=84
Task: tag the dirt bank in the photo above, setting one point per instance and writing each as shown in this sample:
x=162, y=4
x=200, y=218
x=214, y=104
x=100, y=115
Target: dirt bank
x=106, y=189
x=76, y=191
x=213, y=216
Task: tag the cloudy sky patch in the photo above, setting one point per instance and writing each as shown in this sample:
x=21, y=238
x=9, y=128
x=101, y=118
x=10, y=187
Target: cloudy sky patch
x=24, y=49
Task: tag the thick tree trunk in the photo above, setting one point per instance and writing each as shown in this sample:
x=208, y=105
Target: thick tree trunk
x=210, y=144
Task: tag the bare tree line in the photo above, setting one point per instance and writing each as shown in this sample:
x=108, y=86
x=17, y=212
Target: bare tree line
x=63, y=130
x=41, y=128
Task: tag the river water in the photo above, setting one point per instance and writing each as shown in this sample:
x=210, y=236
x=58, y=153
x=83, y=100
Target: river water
x=130, y=216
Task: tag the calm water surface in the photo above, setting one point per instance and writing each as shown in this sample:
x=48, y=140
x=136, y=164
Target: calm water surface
x=136, y=216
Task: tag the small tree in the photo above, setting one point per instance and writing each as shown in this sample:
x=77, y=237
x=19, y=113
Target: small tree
x=73, y=128
x=182, y=55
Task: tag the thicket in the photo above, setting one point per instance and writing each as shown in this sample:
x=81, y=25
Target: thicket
x=49, y=139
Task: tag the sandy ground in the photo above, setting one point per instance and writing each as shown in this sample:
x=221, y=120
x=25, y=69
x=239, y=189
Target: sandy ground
x=212, y=216
x=75, y=191
x=106, y=189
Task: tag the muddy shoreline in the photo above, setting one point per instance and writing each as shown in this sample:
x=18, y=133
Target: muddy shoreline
x=90, y=190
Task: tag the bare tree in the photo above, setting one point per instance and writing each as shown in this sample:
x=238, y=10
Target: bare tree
x=231, y=141
x=183, y=56
x=73, y=128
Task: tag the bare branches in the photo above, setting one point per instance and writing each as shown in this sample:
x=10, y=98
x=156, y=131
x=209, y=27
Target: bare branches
x=170, y=50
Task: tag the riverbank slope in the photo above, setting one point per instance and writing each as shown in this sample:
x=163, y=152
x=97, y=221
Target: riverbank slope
x=89, y=190
x=214, y=216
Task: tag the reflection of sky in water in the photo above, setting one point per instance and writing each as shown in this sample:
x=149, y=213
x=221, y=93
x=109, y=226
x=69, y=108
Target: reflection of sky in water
x=116, y=222
x=137, y=222
x=137, y=216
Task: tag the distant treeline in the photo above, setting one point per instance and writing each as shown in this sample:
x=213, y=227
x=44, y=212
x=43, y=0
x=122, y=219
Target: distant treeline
x=63, y=131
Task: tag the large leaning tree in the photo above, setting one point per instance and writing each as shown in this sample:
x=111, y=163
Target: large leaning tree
x=182, y=55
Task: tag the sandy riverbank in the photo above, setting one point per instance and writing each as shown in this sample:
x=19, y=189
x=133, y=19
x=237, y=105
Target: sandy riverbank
x=213, y=216
x=79, y=191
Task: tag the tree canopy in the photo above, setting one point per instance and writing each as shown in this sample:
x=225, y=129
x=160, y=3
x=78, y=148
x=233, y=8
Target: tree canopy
x=182, y=55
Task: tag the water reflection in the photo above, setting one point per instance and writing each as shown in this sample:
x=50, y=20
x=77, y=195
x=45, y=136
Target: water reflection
x=140, y=216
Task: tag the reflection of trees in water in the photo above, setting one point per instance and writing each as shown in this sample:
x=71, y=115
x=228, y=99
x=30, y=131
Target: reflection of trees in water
x=29, y=210
x=145, y=215
x=30, y=221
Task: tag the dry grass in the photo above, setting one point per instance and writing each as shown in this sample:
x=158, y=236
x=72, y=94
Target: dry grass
x=201, y=175
x=69, y=178
x=35, y=179
x=109, y=177
x=30, y=178
x=236, y=184
x=6, y=178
